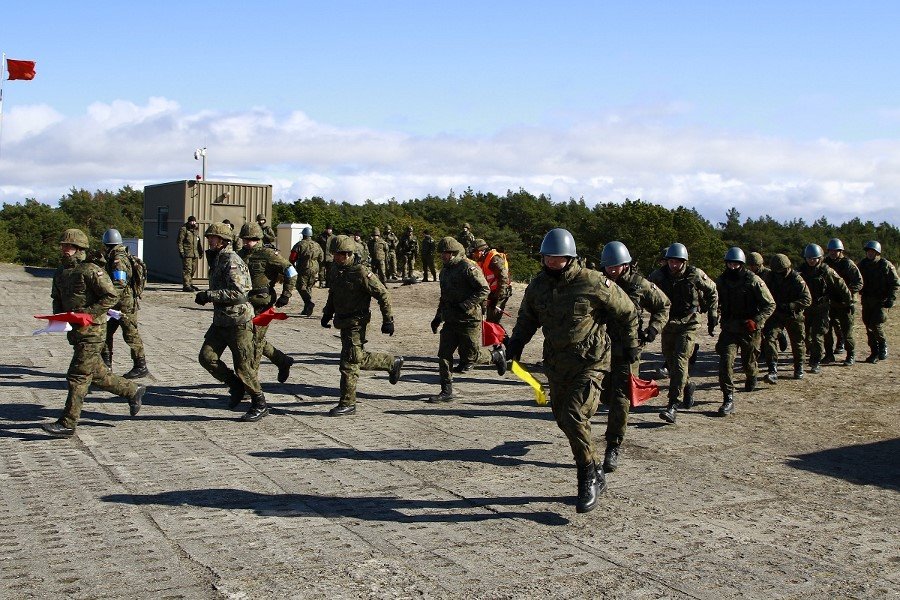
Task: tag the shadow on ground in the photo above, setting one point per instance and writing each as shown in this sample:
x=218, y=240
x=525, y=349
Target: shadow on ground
x=867, y=464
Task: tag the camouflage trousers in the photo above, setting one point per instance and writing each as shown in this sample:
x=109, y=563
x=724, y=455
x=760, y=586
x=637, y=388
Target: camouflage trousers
x=493, y=311
x=85, y=369
x=265, y=348
x=130, y=334
x=407, y=264
x=355, y=359
x=616, y=396
x=677, y=347
x=815, y=326
x=188, y=270
x=240, y=339
x=378, y=269
x=306, y=281
x=466, y=337
x=428, y=267
x=574, y=396
x=772, y=329
x=874, y=316
x=840, y=327
x=390, y=264
x=727, y=347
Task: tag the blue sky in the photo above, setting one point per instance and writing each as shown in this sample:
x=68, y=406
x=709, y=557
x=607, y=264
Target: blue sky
x=786, y=109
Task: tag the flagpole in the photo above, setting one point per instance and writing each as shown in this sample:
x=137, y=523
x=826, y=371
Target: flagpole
x=2, y=77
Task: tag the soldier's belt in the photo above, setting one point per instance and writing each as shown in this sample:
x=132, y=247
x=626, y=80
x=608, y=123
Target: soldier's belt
x=360, y=313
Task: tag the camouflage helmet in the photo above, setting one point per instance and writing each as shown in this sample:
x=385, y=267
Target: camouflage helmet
x=780, y=263
x=466, y=226
x=813, y=251
x=755, y=259
x=449, y=244
x=260, y=217
x=478, y=244
x=75, y=237
x=222, y=230
x=251, y=231
x=112, y=237
x=387, y=228
x=344, y=243
x=376, y=231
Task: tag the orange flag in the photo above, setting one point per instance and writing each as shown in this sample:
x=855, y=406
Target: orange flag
x=641, y=390
x=20, y=69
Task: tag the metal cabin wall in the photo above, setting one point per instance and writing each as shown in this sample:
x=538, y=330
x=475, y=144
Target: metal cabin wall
x=160, y=249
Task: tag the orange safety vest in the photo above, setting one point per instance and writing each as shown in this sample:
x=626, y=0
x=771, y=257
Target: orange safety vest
x=492, y=278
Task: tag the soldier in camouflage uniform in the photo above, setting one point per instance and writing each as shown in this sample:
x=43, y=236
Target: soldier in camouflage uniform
x=269, y=237
x=615, y=260
x=190, y=250
x=495, y=268
x=574, y=306
x=118, y=267
x=83, y=287
x=306, y=256
x=378, y=250
x=745, y=304
x=352, y=288
x=232, y=326
x=879, y=293
x=407, y=251
x=691, y=293
x=362, y=250
x=463, y=292
x=756, y=265
x=325, y=241
x=267, y=268
x=391, y=259
x=235, y=239
x=792, y=297
x=428, y=247
x=825, y=287
x=466, y=237
x=840, y=317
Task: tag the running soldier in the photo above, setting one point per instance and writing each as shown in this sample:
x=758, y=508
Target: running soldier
x=792, y=298
x=825, y=287
x=496, y=271
x=879, y=293
x=840, y=317
x=306, y=256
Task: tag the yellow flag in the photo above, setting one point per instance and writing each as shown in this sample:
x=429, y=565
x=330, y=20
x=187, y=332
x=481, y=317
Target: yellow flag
x=539, y=396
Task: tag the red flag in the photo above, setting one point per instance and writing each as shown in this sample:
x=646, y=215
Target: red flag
x=20, y=69
x=492, y=333
x=267, y=316
x=641, y=390
x=78, y=319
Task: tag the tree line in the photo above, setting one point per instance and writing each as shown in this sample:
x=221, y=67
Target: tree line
x=515, y=223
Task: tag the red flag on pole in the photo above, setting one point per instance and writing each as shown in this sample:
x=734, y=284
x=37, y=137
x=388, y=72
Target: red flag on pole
x=641, y=390
x=267, y=316
x=492, y=333
x=20, y=69
x=79, y=319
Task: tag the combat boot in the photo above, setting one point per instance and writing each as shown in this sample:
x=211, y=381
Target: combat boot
x=882, y=350
x=394, y=374
x=308, y=309
x=814, y=368
x=591, y=483
x=58, y=429
x=134, y=404
x=258, y=409
x=873, y=355
x=750, y=384
x=236, y=391
x=463, y=367
x=611, y=458
x=688, y=401
x=772, y=375
x=446, y=394
x=670, y=413
x=106, y=357
x=850, y=360
x=284, y=371
x=798, y=372
x=727, y=407
x=138, y=370
x=498, y=357
x=839, y=346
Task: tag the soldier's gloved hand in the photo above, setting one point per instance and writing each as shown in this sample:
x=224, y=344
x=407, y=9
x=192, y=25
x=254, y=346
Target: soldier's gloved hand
x=496, y=313
x=711, y=328
x=282, y=301
x=326, y=321
x=387, y=327
x=888, y=303
x=649, y=335
x=435, y=323
x=201, y=298
x=634, y=354
x=750, y=325
x=514, y=349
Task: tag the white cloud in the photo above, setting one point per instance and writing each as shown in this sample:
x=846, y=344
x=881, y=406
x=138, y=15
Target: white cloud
x=639, y=153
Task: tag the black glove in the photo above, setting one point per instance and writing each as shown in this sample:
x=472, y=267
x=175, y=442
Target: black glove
x=326, y=321
x=387, y=327
x=888, y=303
x=711, y=328
x=514, y=349
x=649, y=335
x=634, y=354
x=282, y=301
x=435, y=323
x=201, y=298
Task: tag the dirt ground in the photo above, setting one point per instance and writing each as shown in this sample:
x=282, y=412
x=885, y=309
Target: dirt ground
x=794, y=496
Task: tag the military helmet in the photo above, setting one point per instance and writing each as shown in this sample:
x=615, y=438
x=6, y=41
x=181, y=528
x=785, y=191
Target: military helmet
x=735, y=254
x=75, y=237
x=466, y=226
x=409, y=228
x=755, y=259
x=306, y=232
x=558, y=242
x=387, y=228
x=478, y=244
x=780, y=263
x=223, y=230
x=614, y=254
x=835, y=244
x=376, y=231
x=873, y=245
x=344, y=244
x=251, y=231
x=260, y=217
x=449, y=244
x=112, y=237
x=813, y=251
x=677, y=250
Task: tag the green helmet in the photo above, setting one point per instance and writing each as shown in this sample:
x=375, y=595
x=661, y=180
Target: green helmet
x=478, y=244
x=251, y=231
x=376, y=231
x=260, y=217
x=223, y=230
x=344, y=244
x=76, y=237
x=780, y=263
x=449, y=244
x=755, y=259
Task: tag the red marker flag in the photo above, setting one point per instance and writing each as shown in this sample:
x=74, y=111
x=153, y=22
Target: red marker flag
x=20, y=69
x=641, y=390
x=77, y=319
x=267, y=316
x=492, y=334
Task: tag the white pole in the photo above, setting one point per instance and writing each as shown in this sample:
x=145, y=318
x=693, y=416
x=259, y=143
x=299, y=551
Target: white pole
x=2, y=77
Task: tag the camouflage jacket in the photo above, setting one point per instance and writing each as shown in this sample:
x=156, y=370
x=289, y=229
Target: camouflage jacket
x=825, y=286
x=378, y=248
x=391, y=238
x=849, y=272
x=691, y=293
x=307, y=255
x=269, y=235
x=463, y=292
x=267, y=268
x=81, y=286
x=790, y=293
x=350, y=295
x=880, y=279
x=362, y=252
x=645, y=296
x=743, y=296
x=408, y=245
x=189, y=243
x=118, y=267
x=229, y=286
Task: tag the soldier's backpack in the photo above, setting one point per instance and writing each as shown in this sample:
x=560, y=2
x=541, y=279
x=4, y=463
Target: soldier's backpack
x=138, y=275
